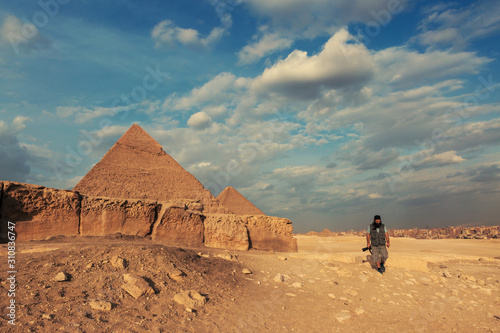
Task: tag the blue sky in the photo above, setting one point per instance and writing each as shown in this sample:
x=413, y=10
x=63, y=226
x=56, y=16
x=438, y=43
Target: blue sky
x=324, y=112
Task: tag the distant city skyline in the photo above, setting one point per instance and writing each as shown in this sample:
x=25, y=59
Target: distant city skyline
x=325, y=113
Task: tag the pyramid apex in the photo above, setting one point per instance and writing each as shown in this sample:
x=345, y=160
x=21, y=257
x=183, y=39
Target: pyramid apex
x=136, y=137
x=237, y=203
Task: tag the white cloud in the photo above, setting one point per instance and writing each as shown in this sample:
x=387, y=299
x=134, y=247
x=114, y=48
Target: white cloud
x=218, y=90
x=166, y=32
x=267, y=44
x=339, y=64
x=458, y=27
x=446, y=158
x=200, y=121
x=393, y=65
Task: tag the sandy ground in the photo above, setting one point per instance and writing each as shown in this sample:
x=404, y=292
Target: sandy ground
x=328, y=286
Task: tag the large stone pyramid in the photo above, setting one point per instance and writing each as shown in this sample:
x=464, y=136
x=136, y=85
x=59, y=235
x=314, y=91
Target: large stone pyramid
x=237, y=203
x=137, y=167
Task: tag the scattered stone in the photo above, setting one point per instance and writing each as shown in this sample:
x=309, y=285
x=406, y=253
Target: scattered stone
x=332, y=296
x=447, y=274
x=282, y=258
x=190, y=298
x=203, y=255
x=343, y=316
x=136, y=286
x=291, y=294
x=363, y=278
x=438, y=294
x=351, y=292
x=359, y=311
x=246, y=271
x=118, y=262
x=189, y=310
x=297, y=285
x=225, y=256
x=61, y=277
x=175, y=274
x=48, y=316
x=101, y=305
x=279, y=278
x=89, y=265
x=467, y=277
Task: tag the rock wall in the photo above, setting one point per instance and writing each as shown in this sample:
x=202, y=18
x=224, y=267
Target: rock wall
x=270, y=233
x=225, y=231
x=178, y=225
x=105, y=216
x=39, y=212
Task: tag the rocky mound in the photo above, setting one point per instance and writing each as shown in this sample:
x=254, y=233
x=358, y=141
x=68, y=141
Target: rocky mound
x=237, y=203
x=137, y=167
x=87, y=285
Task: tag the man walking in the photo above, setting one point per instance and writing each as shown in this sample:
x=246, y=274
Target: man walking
x=378, y=238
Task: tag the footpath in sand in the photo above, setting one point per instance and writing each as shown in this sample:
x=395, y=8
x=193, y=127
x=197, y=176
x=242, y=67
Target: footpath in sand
x=328, y=286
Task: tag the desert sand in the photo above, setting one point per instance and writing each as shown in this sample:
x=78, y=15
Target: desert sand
x=327, y=286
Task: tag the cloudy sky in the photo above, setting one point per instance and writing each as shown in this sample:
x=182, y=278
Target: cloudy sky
x=323, y=111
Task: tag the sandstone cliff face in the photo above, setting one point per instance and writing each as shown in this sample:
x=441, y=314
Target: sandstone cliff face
x=225, y=231
x=39, y=212
x=270, y=233
x=105, y=216
x=177, y=225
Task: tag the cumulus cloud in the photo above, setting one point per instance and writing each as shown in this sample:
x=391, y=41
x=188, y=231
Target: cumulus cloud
x=200, y=121
x=286, y=21
x=339, y=64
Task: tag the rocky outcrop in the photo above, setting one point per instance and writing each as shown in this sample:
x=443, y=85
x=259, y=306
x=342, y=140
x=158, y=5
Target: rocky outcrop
x=178, y=225
x=225, y=231
x=105, y=216
x=39, y=212
x=270, y=233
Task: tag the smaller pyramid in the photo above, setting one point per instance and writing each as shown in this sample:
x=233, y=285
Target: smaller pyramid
x=237, y=203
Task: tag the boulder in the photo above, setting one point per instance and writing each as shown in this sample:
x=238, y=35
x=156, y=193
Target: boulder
x=62, y=277
x=225, y=231
x=136, y=286
x=101, y=305
x=106, y=216
x=270, y=233
x=39, y=212
x=190, y=299
x=177, y=225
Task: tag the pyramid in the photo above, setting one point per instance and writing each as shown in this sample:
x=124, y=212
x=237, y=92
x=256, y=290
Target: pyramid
x=237, y=203
x=137, y=167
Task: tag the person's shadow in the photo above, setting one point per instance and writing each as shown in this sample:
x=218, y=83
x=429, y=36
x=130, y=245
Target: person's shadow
x=369, y=258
